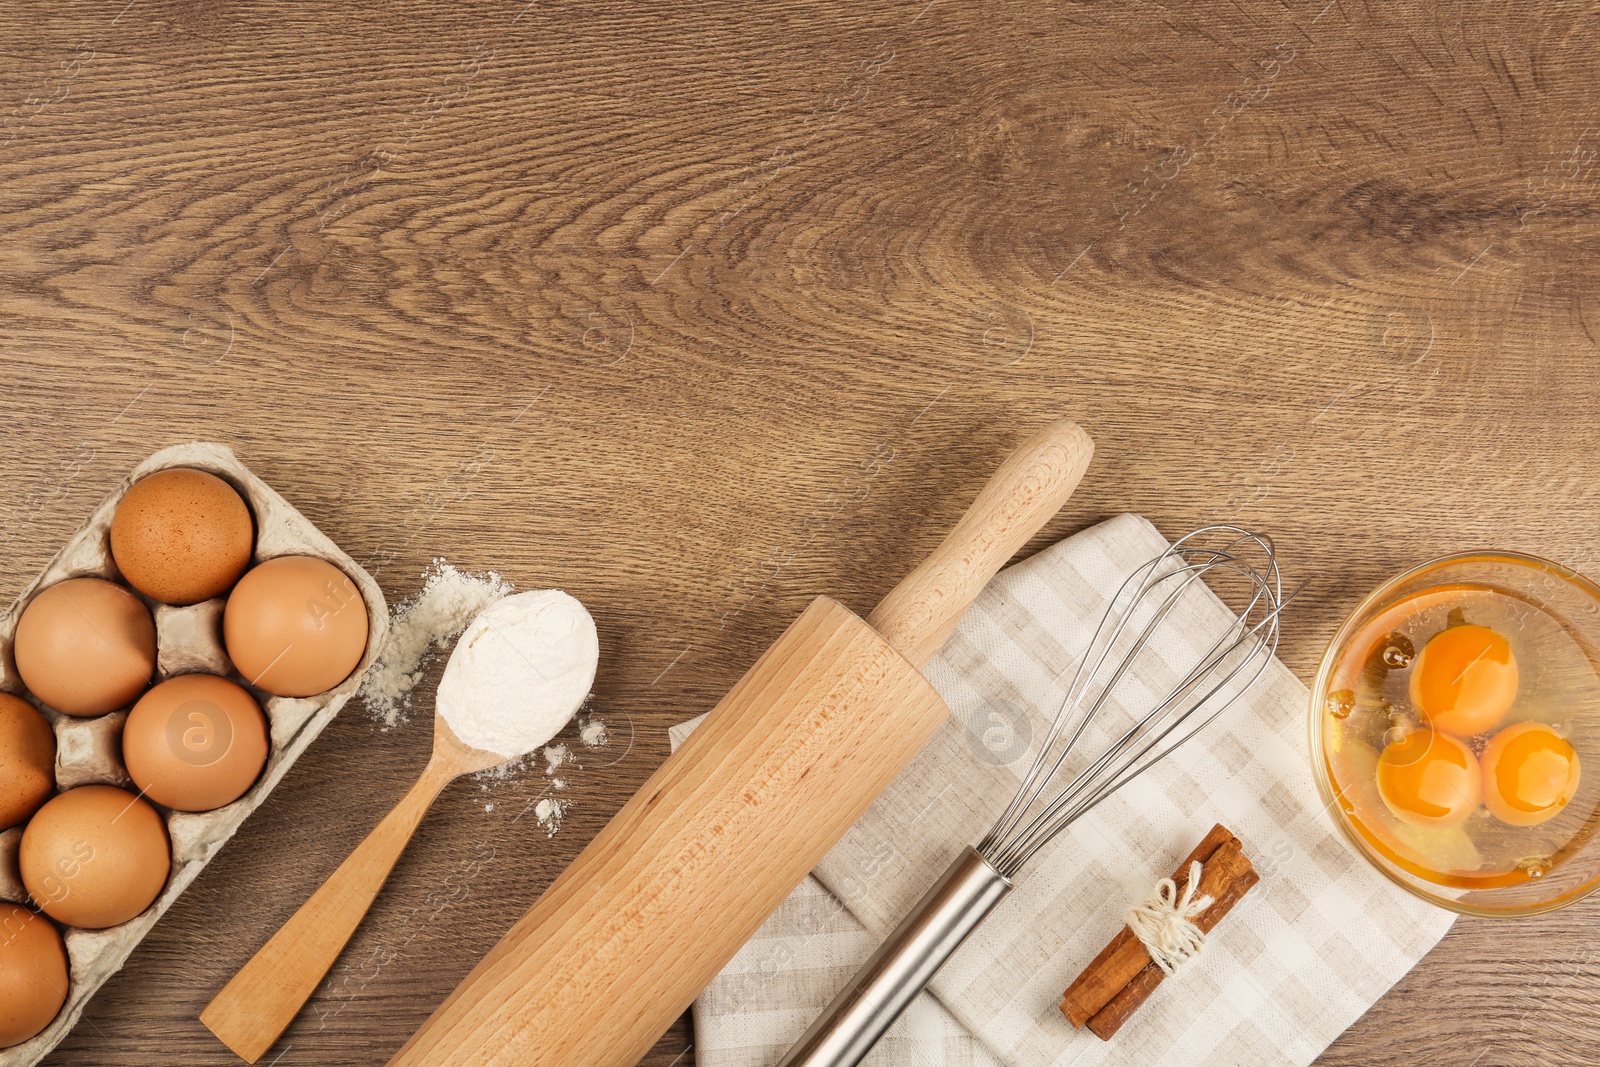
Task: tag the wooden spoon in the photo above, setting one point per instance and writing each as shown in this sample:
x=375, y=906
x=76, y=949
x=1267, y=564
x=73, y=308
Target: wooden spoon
x=268, y=992
x=264, y=997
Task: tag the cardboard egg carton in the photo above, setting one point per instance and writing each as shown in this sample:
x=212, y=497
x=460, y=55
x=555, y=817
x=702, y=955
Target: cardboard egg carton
x=188, y=640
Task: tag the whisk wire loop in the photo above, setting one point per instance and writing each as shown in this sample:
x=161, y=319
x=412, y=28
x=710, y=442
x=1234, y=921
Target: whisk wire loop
x=1126, y=632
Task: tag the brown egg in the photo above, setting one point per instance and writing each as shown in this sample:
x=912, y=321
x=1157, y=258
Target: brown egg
x=33, y=973
x=295, y=626
x=95, y=856
x=195, y=742
x=27, y=760
x=86, y=646
x=181, y=536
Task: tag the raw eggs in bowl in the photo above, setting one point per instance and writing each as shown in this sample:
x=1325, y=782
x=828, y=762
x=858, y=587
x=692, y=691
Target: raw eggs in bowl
x=1455, y=732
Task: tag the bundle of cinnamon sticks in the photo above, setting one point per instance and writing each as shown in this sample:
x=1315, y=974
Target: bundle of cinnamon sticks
x=1123, y=976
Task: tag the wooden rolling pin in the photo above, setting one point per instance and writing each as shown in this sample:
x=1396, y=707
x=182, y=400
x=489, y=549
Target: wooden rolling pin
x=662, y=898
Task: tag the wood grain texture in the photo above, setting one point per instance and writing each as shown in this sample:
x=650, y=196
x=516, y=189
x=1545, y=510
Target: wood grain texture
x=700, y=310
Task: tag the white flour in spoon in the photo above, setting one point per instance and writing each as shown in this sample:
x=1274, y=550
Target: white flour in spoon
x=519, y=672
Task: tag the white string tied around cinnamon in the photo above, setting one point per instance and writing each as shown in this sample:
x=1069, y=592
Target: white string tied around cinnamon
x=1165, y=921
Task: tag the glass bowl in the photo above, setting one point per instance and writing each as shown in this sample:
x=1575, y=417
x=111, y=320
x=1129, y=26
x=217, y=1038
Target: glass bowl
x=1557, y=876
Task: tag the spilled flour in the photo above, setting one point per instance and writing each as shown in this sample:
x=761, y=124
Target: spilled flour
x=592, y=732
x=559, y=761
x=449, y=600
x=549, y=813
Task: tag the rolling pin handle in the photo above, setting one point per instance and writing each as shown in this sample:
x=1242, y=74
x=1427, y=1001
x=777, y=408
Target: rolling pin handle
x=920, y=613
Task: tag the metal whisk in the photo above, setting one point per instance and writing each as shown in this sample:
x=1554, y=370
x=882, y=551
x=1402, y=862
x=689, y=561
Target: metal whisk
x=1063, y=784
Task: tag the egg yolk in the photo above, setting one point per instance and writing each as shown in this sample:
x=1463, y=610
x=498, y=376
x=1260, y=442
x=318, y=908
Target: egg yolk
x=1530, y=772
x=1429, y=779
x=1465, y=680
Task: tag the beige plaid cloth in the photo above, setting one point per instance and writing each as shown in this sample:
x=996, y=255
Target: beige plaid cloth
x=1300, y=959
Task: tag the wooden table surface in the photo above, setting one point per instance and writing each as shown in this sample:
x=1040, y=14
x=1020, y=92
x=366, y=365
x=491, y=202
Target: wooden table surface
x=698, y=310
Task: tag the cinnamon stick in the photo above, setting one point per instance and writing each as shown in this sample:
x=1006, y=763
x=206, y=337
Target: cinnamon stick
x=1126, y=955
x=1109, y=1019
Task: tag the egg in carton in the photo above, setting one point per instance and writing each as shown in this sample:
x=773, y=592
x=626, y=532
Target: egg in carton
x=188, y=640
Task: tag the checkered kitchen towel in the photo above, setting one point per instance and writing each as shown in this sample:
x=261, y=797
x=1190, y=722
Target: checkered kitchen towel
x=1298, y=961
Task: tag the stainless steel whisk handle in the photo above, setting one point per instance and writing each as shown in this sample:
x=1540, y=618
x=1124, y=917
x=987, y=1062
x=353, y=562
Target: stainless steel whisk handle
x=901, y=968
